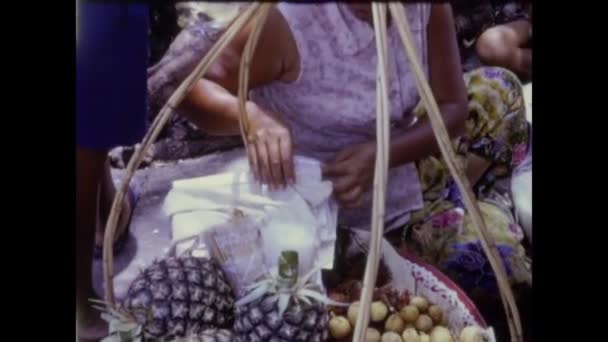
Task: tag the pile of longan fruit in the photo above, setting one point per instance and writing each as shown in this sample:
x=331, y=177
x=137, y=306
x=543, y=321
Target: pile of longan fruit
x=413, y=320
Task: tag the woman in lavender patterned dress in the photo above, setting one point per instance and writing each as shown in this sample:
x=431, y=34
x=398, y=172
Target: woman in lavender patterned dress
x=313, y=79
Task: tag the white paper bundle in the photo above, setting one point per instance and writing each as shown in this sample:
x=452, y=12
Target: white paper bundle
x=302, y=217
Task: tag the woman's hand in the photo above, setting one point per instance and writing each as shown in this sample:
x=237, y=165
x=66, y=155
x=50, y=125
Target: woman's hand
x=269, y=147
x=352, y=173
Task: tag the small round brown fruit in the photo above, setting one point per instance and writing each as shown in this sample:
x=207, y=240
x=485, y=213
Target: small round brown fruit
x=390, y=336
x=424, y=323
x=409, y=313
x=420, y=302
x=353, y=312
x=338, y=297
x=394, y=323
x=372, y=335
x=472, y=334
x=441, y=334
x=410, y=335
x=410, y=326
x=436, y=313
x=378, y=312
x=339, y=327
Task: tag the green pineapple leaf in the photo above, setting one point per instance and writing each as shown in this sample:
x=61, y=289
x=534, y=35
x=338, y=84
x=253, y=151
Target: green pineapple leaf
x=107, y=317
x=256, y=293
x=305, y=300
x=122, y=326
x=109, y=310
x=319, y=297
x=259, y=283
x=112, y=338
x=306, y=278
x=283, y=302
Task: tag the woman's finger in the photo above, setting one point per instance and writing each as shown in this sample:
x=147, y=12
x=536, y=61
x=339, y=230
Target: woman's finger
x=263, y=162
x=287, y=162
x=351, y=198
x=344, y=183
x=354, y=204
x=343, y=155
x=274, y=158
x=253, y=160
x=334, y=170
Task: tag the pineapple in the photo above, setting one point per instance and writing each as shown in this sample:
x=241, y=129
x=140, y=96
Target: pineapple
x=178, y=296
x=210, y=335
x=283, y=308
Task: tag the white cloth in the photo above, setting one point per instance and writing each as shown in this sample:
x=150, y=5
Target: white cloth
x=302, y=212
x=521, y=189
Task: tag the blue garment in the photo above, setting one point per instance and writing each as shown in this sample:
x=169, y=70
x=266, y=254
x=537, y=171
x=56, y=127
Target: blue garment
x=111, y=62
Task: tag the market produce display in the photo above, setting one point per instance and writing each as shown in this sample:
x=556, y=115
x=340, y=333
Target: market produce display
x=191, y=298
x=397, y=317
x=165, y=314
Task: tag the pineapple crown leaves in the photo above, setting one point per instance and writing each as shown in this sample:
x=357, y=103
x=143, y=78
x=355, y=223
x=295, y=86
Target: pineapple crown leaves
x=302, y=290
x=122, y=327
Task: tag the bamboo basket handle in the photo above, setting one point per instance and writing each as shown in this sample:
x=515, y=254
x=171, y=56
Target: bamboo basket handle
x=447, y=151
x=380, y=173
x=248, y=51
x=159, y=122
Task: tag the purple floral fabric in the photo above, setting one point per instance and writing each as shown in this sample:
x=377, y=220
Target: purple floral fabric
x=442, y=232
x=471, y=267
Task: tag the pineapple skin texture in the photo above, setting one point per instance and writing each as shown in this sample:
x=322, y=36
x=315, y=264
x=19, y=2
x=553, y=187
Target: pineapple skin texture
x=175, y=297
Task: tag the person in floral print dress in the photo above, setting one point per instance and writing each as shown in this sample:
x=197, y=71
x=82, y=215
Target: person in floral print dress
x=495, y=143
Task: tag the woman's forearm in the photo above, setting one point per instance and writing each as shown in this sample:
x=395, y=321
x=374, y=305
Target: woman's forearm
x=418, y=141
x=212, y=108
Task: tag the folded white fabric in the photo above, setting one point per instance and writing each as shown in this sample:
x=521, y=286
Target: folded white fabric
x=301, y=217
x=521, y=189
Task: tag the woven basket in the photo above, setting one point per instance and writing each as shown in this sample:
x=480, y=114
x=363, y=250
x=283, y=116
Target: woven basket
x=257, y=13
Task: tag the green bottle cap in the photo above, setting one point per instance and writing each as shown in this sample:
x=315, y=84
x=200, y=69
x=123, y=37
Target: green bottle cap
x=288, y=267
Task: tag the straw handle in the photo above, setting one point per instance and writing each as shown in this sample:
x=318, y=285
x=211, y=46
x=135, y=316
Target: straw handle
x=259, y=20
x=380, y=173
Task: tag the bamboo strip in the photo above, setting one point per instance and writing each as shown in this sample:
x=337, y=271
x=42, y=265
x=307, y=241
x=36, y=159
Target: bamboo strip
x=248, y=51
x=380, y=173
